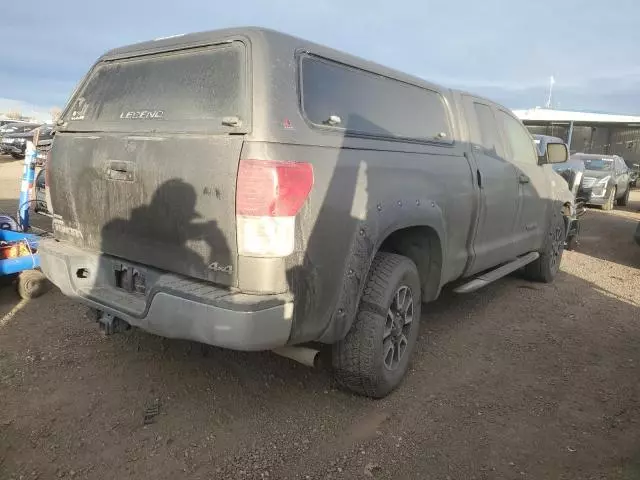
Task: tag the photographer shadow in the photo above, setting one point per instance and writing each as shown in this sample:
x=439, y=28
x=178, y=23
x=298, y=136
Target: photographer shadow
x=168, y=234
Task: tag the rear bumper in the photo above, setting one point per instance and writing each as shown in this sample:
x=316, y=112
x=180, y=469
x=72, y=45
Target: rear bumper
x=174, y=306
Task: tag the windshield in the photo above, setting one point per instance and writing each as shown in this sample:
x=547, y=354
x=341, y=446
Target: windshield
x=154, y=92
x=599, y=164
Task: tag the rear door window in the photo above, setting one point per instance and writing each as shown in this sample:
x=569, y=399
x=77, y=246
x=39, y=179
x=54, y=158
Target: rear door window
x=490, y=137
x=520, y=141
x=361, y=102
x=194, y=88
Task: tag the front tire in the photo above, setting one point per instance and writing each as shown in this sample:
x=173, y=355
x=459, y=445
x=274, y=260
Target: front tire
x=374, y=357
x=624, y=200
x=547, y=266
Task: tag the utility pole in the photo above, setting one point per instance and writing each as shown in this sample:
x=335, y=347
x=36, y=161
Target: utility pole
x=551, y=82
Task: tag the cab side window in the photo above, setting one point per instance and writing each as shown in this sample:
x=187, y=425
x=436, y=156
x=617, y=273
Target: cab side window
x=365, y=103
x=520, y=142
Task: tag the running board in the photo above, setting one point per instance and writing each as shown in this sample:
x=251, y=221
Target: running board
x=493, y=275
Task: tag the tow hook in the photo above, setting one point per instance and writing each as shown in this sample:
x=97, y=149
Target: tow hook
x=110, y=324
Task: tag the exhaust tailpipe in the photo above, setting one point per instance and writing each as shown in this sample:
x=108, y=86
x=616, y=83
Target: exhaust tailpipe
x=304, y=355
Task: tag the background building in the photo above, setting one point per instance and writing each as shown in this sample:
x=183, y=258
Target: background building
x=588, y=132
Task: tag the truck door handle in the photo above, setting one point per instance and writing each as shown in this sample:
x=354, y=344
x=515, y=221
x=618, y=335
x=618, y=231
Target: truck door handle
x=522, y=178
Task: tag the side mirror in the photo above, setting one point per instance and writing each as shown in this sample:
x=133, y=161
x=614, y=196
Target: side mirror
x=556, y=153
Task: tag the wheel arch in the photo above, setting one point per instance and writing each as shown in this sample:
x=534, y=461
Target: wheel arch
x=422, y=245
x=404, y=237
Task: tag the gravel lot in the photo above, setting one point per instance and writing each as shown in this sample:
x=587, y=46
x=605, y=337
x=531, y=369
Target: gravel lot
x=515, y=381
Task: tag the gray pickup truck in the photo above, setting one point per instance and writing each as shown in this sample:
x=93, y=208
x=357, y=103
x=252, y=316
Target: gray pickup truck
x=253, y=191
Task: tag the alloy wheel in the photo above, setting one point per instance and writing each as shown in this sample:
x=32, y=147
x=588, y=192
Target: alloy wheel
x=398, y=324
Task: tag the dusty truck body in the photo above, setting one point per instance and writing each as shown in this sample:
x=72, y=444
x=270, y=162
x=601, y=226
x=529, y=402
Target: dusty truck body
x=571, y=172
x=251, y=190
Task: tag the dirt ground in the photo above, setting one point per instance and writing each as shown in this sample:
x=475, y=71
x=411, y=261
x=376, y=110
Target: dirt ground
x=516, y=381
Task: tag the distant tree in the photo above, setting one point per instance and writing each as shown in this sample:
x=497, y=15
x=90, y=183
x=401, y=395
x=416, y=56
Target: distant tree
x=13, y=115
x=55, y=113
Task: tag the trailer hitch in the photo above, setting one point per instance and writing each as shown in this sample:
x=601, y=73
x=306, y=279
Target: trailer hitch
x=110, y=324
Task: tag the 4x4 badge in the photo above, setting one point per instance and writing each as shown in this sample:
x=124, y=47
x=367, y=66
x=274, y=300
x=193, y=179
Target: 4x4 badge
x=216, y=267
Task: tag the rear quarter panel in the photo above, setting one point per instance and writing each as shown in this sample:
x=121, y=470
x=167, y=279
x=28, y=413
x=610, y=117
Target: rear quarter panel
x=364, y=189
x=360, y=196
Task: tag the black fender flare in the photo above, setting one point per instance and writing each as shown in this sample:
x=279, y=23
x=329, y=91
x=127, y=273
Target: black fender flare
x=367, y=240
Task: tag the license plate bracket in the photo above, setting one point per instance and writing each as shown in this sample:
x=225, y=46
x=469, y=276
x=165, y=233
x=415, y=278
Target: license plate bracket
x=130, y=279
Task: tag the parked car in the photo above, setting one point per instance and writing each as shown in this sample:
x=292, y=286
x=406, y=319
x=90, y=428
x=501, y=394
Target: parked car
x=317, y=198
x=16, y=127
x=607, y=176
x=637, y=234
x=15, y=143
x=10, y=128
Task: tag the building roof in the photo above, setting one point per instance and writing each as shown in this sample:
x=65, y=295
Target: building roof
x=548, y=115
x=592, y=155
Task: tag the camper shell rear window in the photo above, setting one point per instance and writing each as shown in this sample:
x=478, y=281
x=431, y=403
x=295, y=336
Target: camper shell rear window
x=193, y=89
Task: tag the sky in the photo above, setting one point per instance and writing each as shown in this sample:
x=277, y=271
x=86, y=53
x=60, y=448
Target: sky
x=503, y=49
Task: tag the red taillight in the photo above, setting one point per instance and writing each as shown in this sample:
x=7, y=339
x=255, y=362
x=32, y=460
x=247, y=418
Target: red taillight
x=272, y=188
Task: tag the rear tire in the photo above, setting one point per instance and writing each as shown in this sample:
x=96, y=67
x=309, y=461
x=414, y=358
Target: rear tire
x=624, y=201
x=374, y=357
x=547, y=266
x=608, y=204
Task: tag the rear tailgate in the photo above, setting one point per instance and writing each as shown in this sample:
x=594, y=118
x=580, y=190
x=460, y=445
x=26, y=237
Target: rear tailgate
x=145, y=166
